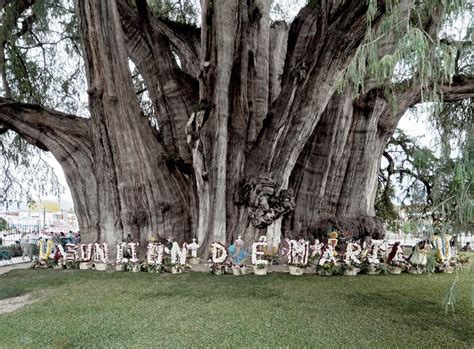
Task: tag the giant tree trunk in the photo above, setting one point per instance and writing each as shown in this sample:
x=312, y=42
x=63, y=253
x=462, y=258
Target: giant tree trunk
x=336, y=174
x=142, y=193
x=251, y=127
x=250, y=141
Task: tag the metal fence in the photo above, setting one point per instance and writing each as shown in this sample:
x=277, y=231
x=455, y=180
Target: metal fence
x=14, y=249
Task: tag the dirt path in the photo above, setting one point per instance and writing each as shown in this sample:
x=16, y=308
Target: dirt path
x=9, y=305
x=7, y=268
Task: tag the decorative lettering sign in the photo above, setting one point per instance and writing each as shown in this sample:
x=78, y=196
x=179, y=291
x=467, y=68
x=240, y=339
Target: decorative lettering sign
x=298, y=252
x=178, y=255
x=353, y=251
x=327, y=261
x=101, y=252
x=218, y=253
x=86, y=252
x=154, y=254
x=257, y=251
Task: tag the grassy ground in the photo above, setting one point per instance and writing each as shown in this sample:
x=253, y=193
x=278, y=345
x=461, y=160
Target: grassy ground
x=88, y=308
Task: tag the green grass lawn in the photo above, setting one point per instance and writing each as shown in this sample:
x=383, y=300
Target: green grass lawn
x=90, y=308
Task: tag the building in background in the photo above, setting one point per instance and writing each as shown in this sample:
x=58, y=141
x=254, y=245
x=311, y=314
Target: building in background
x=45, y=214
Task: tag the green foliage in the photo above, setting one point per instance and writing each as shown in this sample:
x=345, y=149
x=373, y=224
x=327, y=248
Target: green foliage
x=416, y=55
x=450, y=298
x=3, y=224
x=384, y=207
x=438, y=185
x=182, y=11
x=43, y=59
x=24, y=172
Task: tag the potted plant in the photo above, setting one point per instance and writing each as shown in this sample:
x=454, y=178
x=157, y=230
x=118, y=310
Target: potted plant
x=329, y=268
x=217, y=268
x=236, y=269
x=85, y=265
x=150, y=268
x=296, y=269
x=100, y=266
x=372, y=265
x=120, y=266
x=351, y=270
x=178, y=268
x=135, y=267
x=71, y=264
x=373, y=269
x=260, y=269
x=240, y=269
x=396, y=267
x=327, y=264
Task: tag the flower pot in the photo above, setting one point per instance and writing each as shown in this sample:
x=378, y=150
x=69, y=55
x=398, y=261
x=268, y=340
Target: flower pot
x=294, y=270
x=373, y=270
x=84, y=265
x=100, y=266
x=119, y=267
x=394, y=269
x=259, y=270
x=176, y=270
x=135, y=268
x=351, y=272
x=194, y=260
x=218, y=271
x=236, y=271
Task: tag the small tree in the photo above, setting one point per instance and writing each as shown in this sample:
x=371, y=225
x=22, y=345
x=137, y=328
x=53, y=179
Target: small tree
x=3, y=224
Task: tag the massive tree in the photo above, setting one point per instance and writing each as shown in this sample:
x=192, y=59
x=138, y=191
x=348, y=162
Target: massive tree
x=254, y=124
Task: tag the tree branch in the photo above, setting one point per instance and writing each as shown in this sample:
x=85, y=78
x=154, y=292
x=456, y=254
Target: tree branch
x=185, y=40
x=173, y=91
x=322, y=41
x=45, y=128
x=418, y=177
x=462, y=87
